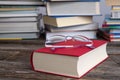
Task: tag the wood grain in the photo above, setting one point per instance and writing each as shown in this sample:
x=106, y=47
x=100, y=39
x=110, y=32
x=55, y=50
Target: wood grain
x=15, y=63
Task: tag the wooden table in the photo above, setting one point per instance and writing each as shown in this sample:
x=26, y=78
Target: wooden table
x=15, y=63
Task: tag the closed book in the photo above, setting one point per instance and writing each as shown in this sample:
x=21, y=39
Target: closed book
x=109, y=21
x=112, y=2
x=18, y=19
x=75, y=0
x=18, y=13
x=21, y=2
x=70, y=62
x=14, y=27
x=91, y=26
x=67, y=21
x=72, y=8
x=19, y=36
x=88, y=33
x=18, y=9
x=115, y=31
x=115, y=14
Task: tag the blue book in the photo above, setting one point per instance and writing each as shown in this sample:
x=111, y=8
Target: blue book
x=75, y=0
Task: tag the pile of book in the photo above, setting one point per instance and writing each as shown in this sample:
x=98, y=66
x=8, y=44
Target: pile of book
x=70, y=58
x=19, y=19
x=111, y=26
x=71, y=18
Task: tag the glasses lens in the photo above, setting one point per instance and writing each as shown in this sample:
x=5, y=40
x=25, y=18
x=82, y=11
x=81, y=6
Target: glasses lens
x=81, y=38
x=56, y=38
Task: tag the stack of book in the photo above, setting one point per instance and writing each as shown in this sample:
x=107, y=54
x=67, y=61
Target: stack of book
x=71, y=17
x=111, y=26
x=19, y=19
x=70, y=58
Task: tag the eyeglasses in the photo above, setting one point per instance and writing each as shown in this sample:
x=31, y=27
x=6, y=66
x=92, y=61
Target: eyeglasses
x=61, y=41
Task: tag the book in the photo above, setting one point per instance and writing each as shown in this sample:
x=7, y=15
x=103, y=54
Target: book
x=88, y=33
x=13, y=27
x=112, y=2
x=18, y=19
x=8, y=14
x=108, y=34
x=21, y=2
x=115, y=8
x=69, y=62
x=72, y=8
x=115, y=14
x=19, y=36
x=18, y=9
x=75, y=0
x=91, y=26
x=67, y=21
x=109, y=21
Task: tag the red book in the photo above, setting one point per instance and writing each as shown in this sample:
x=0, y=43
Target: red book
x=70, y=62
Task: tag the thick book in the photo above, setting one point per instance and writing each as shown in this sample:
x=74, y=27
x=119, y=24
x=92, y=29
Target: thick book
x=21, y=2
x=112, y=2
x=88, y=33
x=115, y=14
x=111, y=21
x=18, y=13
x=19, y=36
x=13, y=27
x=91, y=26
x=72, y=8
x=18, y=9
x=67, y=20
x=75, y=0
x=18, y=19
x=70, y=62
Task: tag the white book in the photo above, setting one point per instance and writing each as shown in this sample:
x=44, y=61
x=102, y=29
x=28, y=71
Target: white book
x=17, y=19
x=67, y=21
x=73, y=8
x=18, y=15
x=92, y=26
x=19, y=2
x=18, y=27
x=18, y=36
x=115, y=14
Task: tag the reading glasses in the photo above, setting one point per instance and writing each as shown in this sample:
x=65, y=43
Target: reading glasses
x=61, y=38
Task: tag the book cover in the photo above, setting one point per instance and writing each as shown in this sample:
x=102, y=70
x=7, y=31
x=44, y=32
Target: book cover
x=70, y=62
x=78, y=8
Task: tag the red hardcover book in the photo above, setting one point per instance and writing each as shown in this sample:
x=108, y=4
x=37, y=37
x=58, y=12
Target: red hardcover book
x=70, y=62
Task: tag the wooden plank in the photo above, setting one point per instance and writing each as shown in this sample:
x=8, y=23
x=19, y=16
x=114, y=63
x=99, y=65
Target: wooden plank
x=15, y=64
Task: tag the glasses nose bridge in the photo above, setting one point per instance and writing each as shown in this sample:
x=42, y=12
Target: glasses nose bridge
x=68, y=37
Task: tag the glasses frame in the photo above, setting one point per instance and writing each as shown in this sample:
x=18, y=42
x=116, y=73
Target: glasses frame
x=49, y=43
